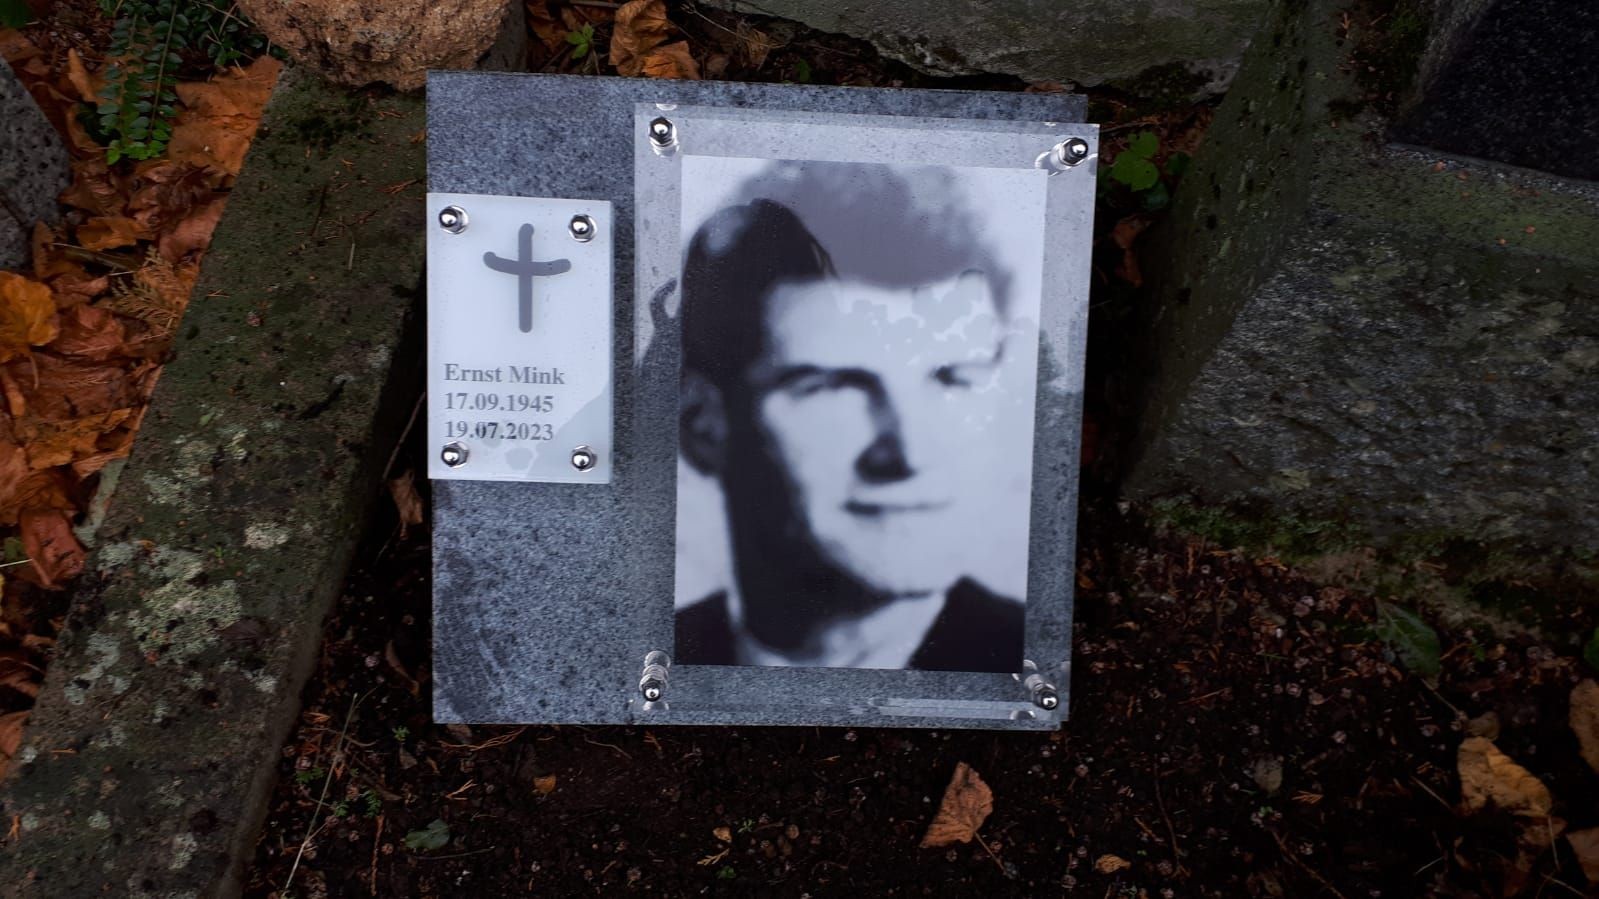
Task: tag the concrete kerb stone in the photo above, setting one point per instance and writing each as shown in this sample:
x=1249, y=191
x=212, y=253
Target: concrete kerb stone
x=1346, y=330
x=147, y=765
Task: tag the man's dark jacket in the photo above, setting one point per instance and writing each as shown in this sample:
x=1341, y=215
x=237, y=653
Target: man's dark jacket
x=976, y=631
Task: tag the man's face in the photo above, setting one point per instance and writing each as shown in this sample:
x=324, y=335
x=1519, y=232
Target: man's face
x=870, y=404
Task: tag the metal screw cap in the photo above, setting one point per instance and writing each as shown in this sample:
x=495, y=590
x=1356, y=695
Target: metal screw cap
x=662, y=132
x=452, y=219
x=584, y=458
x=454, y=455
x=1047, y=699
x=1071, y=151
x=582, y=228
x=651, y=690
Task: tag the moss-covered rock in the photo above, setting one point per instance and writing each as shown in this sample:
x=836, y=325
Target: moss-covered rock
x=147, y=762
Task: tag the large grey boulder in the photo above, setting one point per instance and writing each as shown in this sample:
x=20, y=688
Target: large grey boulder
x=33, y=169
x=1348, y=329
x=1192, y=46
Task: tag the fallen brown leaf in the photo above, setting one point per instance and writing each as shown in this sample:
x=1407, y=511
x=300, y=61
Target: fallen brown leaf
x=1585, y=720
x=193, y=233
x=10, y=736
x=966, y=805
x=641, y=26
x=1110, y=864
x=725, y=834
x=89, y=332
x=48, y=540
x=406, y=500
x=78, y=76
x=1489, y=777
x=107, y=232
x=671, y=61
x=27, y=315
x=1123, y=235
x=545, y=785
x=1585, y=845
x=220, y=116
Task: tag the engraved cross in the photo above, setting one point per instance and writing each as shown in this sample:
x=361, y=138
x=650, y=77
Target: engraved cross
x=526, y=269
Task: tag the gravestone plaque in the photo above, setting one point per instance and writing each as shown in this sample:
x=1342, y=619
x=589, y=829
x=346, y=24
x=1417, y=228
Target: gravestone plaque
x=754, y=404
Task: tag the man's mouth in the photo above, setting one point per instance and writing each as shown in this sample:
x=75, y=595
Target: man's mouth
x=876, y=508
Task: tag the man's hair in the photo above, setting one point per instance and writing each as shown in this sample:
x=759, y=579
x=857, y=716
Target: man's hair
x=889, y=226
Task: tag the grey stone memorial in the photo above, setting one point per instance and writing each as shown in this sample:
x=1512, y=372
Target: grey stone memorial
x=754, y=404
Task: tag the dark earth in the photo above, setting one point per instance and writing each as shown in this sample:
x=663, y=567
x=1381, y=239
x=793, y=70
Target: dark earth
x=1235, y=731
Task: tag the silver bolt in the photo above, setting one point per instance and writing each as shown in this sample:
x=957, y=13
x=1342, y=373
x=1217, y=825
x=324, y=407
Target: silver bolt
x=663, y=133
x=452, y=219
x=651, y=690
x=1047, y=699
x=584, y=458
x=454, y=455
x=582, y=228
x=1071, y=151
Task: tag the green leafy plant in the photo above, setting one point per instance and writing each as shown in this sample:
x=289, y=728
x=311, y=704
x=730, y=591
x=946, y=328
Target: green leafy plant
x=1411, y=638
x=309, y=776
x=1136, y=169
x=582, y=41
x=434, y=836
x=401, y=733
x=151, y=41
x=372, y=802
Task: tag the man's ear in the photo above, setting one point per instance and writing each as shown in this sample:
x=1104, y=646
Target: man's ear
x=702, y=423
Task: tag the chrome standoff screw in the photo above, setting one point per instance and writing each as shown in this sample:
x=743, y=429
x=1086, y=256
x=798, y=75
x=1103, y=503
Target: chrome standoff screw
x=584, y=459
x=1071, y=151
x=452, y=219
x=454, y=455
x=582, y=228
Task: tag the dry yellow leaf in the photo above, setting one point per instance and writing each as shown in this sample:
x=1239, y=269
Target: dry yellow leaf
x=967, y=804
x=545, y=785
x=78, y=76
x=671, y=61
x=1585, y=845
x=409, y=504
x=27, y=315
x=1585, y=720
x=641, y=26
x=1110, y=864
x=1489, y=777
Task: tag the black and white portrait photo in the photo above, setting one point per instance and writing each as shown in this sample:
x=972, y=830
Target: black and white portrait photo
x=859, y=368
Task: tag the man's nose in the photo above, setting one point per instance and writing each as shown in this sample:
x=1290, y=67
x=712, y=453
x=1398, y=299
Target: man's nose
x=886, y=458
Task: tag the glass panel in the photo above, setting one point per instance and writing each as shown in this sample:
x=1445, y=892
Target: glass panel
x=855, y=355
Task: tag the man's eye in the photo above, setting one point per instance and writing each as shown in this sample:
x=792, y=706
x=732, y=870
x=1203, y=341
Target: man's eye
x=810, y=385
x=955, y=375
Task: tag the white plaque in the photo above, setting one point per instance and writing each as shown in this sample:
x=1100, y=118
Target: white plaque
x=519, y=338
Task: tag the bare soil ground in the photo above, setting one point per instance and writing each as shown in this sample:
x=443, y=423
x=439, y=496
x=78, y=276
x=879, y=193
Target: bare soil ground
x=1235, y=731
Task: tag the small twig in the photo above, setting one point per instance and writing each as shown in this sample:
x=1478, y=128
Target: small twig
x=610, y=746
x=1289, y=854
x=1429, y=865
x=984, y=843
x=312, y=829
x=1418, y=782
x=440, y=858
x=377, y=840
x=415, y=410
x=1550, y=878
x=1176, y=852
